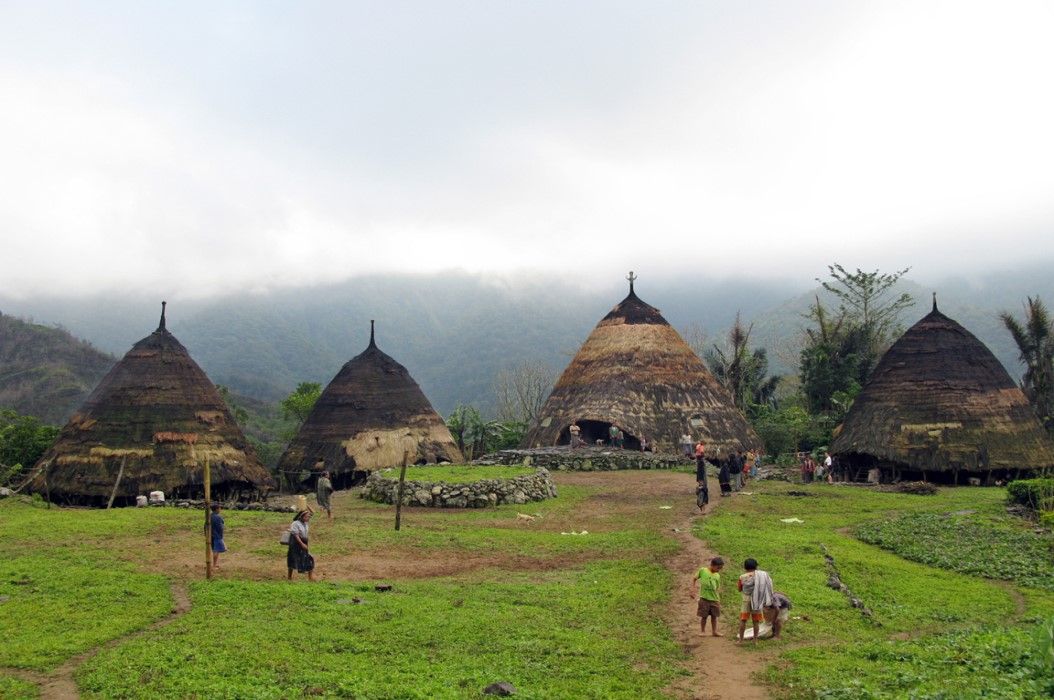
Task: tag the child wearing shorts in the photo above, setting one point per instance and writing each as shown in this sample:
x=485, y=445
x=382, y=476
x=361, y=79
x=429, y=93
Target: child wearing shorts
x=709, y=598
x=746, y=610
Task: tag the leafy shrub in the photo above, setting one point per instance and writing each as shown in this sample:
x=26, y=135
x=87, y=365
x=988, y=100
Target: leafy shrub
x=1037, y=494
x=23, y=439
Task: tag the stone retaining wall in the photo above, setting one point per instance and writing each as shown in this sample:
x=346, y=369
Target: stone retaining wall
x=477, y=494
x=585, y=459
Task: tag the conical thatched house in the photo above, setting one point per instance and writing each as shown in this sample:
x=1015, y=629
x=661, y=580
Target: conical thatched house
x=940, y=406
x=636, y=372
x=151, y=424
x=368, y=416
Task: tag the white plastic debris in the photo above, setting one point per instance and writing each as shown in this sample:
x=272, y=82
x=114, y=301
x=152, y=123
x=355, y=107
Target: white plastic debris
x=791, y=520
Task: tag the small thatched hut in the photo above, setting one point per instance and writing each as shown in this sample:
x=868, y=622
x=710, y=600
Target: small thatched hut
x=151, y=424
x=940, y=406
x=636, y=372
x=368, y=416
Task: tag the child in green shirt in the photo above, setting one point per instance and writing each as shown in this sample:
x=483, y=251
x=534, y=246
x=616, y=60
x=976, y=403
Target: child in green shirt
x=709, y=597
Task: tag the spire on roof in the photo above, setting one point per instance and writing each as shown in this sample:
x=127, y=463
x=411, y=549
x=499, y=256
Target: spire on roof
x=161, y=326
x=631, y=278
x=372, y=343
x=935, y=301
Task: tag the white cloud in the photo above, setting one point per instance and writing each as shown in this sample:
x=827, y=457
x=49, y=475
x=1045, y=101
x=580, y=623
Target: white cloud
x=197, y=153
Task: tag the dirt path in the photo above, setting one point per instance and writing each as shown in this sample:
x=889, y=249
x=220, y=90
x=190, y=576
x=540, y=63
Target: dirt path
x=60, y=684
x=721, y=670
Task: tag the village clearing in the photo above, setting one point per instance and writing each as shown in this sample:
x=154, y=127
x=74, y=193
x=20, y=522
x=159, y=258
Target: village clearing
x=112, y=603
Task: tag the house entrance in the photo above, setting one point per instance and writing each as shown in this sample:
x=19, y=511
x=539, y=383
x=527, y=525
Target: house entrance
x=593, y=430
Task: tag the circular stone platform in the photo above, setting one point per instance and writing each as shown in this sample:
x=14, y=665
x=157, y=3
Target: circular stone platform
x=585, y=459
x=383, y=487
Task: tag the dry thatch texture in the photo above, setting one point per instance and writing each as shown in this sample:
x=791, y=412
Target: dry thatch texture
x=154, y=418
x=940, y=401
x=636, y=372
x=369, y=415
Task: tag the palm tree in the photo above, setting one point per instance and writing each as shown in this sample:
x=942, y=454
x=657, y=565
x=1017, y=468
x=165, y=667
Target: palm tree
x=1035, y=341
x=742, y=371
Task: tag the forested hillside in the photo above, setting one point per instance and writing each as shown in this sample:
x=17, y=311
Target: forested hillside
x=46, y=372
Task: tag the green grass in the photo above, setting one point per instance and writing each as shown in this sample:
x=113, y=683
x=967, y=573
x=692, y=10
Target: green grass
x=994, y=547
x=941, y=612
x=459, y=474
x=58, y=606
x=17, y=689
x=994, y=663
x=593, y=632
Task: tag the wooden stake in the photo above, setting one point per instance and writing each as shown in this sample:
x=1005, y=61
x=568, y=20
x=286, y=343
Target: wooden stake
x=208, y=521
x=120, y=473
x=399, y=496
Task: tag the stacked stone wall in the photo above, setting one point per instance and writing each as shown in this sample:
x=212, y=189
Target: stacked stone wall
x=384, y=488
x=585, y=459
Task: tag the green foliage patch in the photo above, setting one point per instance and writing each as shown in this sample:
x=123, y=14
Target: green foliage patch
x=1002, y=663
x=969, y=543
x=594, y=632
x=17, y=689
x=61, y=605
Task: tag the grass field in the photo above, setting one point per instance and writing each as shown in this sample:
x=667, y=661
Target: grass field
x=487, y=595
x=460, y=474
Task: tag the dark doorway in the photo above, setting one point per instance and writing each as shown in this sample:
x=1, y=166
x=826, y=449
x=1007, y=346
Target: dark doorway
x=593, y=430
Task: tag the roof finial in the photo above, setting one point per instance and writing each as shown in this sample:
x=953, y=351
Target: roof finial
x=631, y=278
x=161, y=326
x=935, y=301
x=372, y=343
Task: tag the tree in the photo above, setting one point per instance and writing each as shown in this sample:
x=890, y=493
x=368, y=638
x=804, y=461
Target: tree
x=23, y=440
x=521, y=391
x=842, y=347
x=1035, y=341
x=834, y=361
x=866, y=298
x=741, y=371
x=298, y=405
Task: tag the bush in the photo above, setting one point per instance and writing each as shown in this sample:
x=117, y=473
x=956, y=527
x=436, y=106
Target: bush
x=1037, y=494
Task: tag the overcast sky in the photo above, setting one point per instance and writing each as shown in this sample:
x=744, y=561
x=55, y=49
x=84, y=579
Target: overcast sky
x=193, y=148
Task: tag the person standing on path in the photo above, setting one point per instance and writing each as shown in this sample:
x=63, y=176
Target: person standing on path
x=686, y=444
x=323, y=491
x=724, y=476
x=709, y=595
x=613, y=435
x=756, y=587
x=216, y=525
x=702, y=489
x=298, y=556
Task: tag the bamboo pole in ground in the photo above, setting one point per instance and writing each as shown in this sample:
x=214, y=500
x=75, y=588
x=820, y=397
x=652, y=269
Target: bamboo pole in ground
x=208, y=521
x=399, y=496
x=116, y=484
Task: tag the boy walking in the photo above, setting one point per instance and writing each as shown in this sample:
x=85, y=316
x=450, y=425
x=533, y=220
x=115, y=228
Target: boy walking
x=709, y=597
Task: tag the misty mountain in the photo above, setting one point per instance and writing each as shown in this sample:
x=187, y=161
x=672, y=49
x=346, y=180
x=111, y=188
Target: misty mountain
x=454, y=332
x=46, y=372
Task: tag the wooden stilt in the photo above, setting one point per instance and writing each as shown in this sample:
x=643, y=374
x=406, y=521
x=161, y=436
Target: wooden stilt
x=208, y=520
x=399, y=496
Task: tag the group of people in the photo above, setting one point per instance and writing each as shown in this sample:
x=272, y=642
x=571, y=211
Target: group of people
x=298, y=554
x=759, y=602
x=811, y=470
x=733, y=470
x=616, y=438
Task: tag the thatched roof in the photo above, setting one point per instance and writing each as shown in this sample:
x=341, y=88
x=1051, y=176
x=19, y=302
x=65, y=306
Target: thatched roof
x=636, y=372
x=939, y=400
x=366, y=418
x=155, y=418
